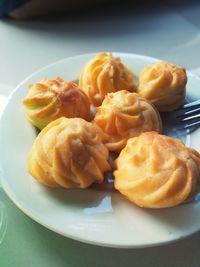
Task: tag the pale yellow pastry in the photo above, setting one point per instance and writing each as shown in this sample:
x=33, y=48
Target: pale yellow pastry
x=157, y=171
x=163, y=84
x=52, y=99
x=104, y=74
x=69, y=153
x=123, y=115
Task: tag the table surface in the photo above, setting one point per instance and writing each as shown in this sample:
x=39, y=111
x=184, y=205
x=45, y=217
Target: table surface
x=170, y=31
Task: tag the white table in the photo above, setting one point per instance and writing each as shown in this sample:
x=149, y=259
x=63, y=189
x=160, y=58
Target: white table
x=169, y=31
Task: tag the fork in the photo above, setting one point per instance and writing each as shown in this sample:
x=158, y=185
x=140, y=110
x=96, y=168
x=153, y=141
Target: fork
x=185, y=118
x=188, y=116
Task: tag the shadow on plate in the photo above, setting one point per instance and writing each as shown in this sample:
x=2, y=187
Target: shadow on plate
x=173, y=219
x=97, y=198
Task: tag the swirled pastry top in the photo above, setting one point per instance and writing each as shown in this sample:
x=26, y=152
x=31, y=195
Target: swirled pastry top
x=123, y=115
x=104, y=74
x=163, y=84
x=52, y=99
x=157, y=171
x=69, y=153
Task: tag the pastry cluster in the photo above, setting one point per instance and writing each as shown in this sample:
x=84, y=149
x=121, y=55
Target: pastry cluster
x=69, y=153
x=72, y=150
x=163, y=84
x=52, y=99
x=123, y=115
x=157, y=171
x=105, y=74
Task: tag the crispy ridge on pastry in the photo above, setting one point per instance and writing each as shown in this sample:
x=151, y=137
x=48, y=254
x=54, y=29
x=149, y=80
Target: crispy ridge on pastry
x=52, y=99
x=157, y=171
x=105, y=74
x=123, y=115
x=164, y=85
x=69, y=153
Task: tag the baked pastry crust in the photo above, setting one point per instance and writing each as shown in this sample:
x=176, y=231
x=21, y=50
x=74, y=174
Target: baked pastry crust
x=123, y=115
x=69, y=153
x=105, y=74
x=157, y=171
x=52, y=99
x=164, y=85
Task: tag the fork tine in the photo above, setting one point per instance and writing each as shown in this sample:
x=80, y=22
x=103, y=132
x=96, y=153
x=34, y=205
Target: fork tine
x=190, y=120
x=187, y=108
x=190, y=126
x=192, y=104
x=188, y=115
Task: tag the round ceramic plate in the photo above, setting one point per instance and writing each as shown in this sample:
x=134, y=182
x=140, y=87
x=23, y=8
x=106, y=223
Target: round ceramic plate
x=98, y=215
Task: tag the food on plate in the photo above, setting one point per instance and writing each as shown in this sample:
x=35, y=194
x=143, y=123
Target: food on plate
x=123, y=115
x=52, y=99
x=157, y=171
x=105, y=74
x=69, y=153
x=163, y=84
x=152, y=170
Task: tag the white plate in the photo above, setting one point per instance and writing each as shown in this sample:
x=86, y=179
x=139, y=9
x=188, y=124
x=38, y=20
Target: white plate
x=98, y=215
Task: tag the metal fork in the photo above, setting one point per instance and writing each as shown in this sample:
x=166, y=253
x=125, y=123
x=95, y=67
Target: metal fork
x=185, y=118
x=188, y=117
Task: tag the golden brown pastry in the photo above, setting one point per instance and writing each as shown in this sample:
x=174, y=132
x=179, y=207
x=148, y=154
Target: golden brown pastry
x=69, y=153
x=123, y=115
x=164, y=85
x=52, y=99
x=157, y=171
x=105, y=74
